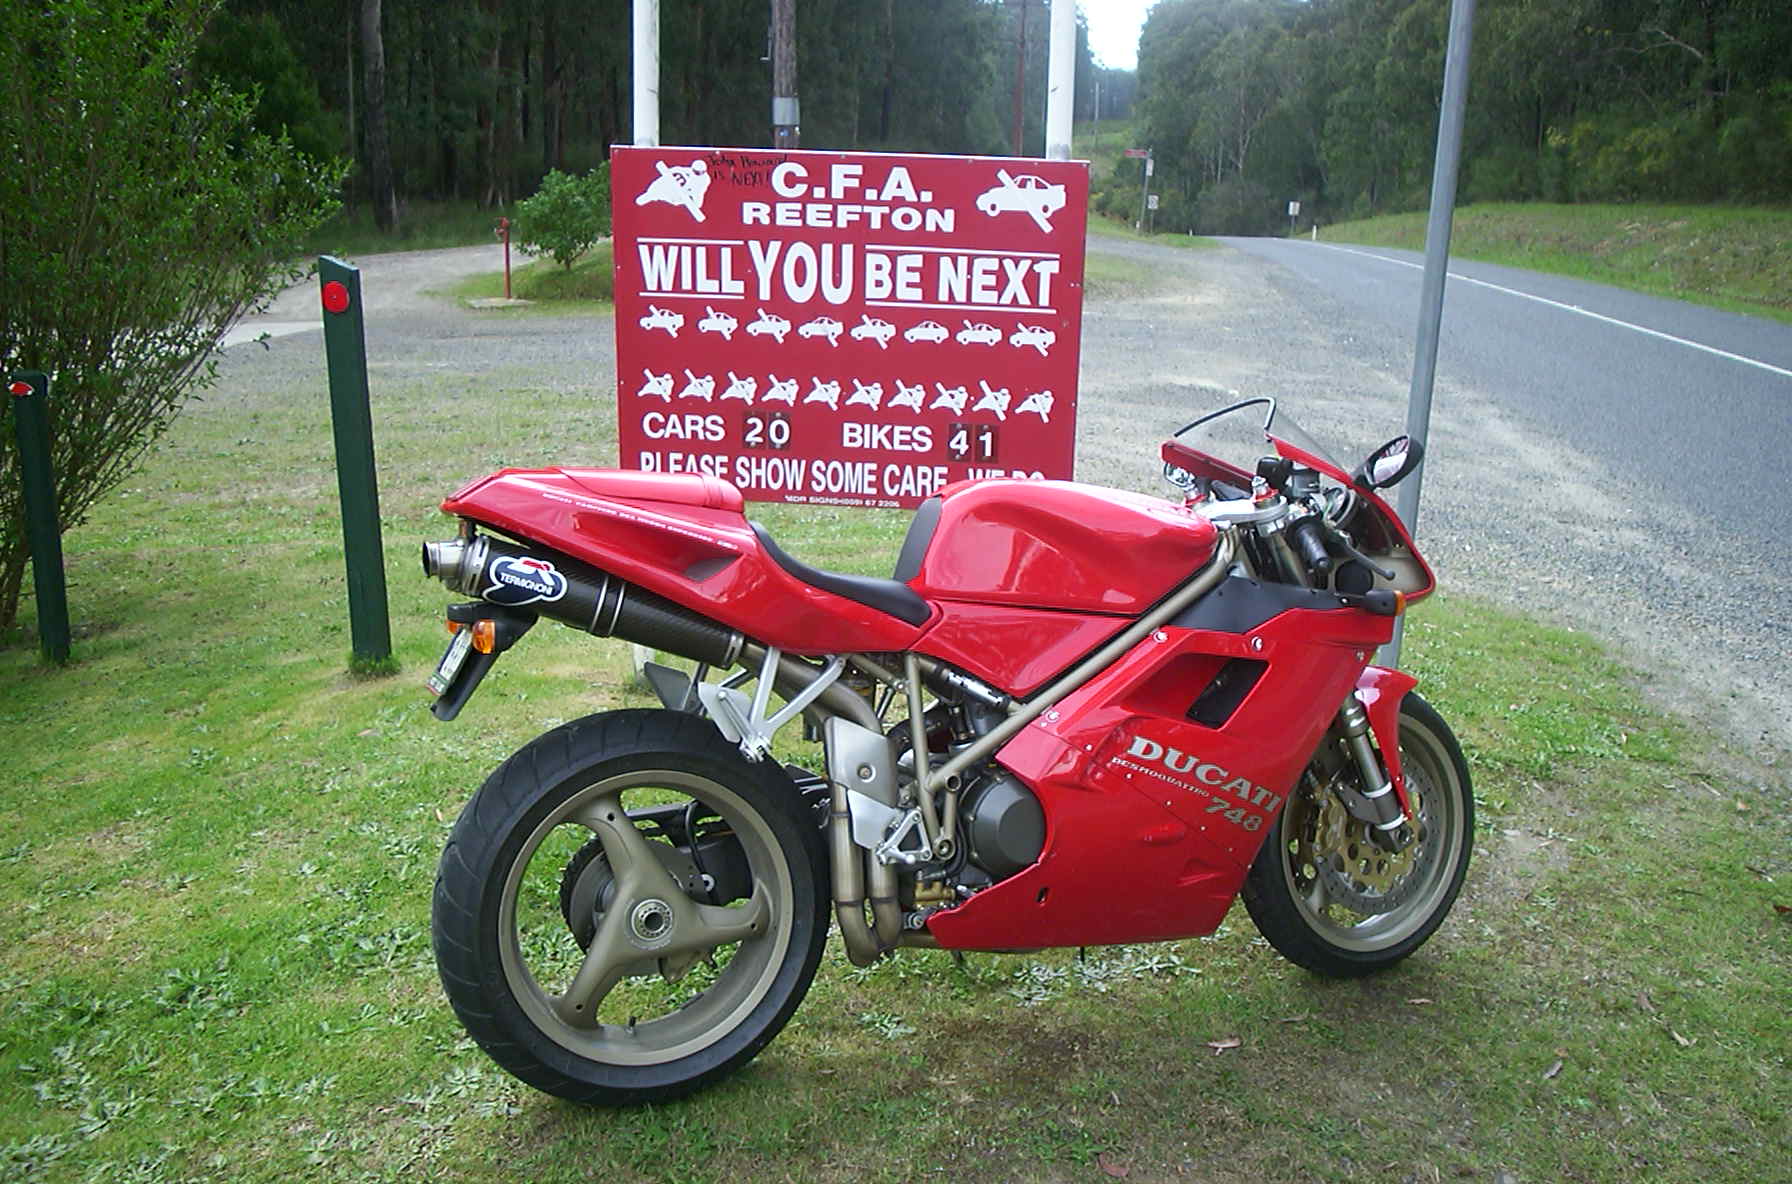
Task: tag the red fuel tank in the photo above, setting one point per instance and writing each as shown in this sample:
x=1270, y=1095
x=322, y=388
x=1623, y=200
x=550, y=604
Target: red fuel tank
x=1060, y=546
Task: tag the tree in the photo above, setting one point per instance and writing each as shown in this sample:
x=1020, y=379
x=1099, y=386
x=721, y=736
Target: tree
x=379, y=144
x=142, y=214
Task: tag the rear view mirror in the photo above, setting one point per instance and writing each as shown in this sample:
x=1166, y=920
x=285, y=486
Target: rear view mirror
x=1390, y=464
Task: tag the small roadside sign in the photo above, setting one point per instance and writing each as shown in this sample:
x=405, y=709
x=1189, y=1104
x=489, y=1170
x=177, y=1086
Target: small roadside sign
x=1138, y=153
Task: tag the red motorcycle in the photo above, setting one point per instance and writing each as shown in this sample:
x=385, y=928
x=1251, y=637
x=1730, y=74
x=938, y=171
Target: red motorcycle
x=1074, y=716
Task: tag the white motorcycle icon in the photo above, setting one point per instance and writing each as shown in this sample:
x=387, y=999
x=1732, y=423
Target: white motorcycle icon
x=698, y=387
x=911, y=397
x=993, y=400
x=952, y=398
x=866, y=396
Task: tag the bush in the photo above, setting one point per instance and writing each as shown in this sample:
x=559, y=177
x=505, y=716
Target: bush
x=141, y=215
x=566, y=217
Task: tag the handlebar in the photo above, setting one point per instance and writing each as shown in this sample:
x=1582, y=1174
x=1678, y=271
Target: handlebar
x=1308, y=537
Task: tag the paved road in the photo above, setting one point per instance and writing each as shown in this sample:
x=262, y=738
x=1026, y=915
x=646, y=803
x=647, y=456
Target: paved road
x=1687, y=403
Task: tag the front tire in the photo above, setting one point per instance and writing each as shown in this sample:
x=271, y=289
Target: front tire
x=672, y=976
x=1326, y=897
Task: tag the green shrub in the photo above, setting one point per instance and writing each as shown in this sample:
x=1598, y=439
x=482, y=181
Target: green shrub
x=566, y=217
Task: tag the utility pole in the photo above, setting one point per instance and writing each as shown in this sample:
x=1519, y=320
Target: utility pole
x=786, y=115
x=1020, y=75
x=1060, y=81
x=646, y=67
x=1444, y=167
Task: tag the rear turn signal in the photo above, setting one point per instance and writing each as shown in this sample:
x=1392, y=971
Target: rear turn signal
x=485, y=636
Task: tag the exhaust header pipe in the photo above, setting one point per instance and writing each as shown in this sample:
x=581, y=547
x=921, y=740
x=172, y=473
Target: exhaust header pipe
x=546, y=582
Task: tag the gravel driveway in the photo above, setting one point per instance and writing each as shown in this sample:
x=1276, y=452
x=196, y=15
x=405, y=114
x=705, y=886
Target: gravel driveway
x=1507, y=517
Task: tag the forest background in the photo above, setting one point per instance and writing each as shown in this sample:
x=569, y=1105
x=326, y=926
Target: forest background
x=1245, y=104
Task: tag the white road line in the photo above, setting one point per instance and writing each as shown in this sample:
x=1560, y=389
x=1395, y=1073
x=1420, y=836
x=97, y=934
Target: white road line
x=1575, y=308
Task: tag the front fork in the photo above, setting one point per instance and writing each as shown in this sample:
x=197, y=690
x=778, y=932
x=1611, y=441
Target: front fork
x=1373, y=708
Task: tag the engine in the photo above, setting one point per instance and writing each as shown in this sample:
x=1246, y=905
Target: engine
x=1000, y=824
x=1003, y=826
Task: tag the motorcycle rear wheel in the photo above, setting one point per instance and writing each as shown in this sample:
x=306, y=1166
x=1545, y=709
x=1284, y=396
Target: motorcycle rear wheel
x=1365, y=909
x=660, y=991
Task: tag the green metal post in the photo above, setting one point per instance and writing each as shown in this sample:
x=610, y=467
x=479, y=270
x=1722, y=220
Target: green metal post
x=31, y=419
x=345, y=346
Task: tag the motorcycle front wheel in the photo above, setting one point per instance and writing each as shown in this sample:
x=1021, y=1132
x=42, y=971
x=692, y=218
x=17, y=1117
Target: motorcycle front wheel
x=628, y=909
x=1326, y=896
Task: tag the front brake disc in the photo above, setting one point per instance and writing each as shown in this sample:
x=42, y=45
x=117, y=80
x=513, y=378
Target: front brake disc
x=1357, y=872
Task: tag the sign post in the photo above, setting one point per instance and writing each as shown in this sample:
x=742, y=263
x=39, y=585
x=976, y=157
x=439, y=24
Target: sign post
x=847, y=328
x=31, y=419
x=351, y=418
x=1145, y=193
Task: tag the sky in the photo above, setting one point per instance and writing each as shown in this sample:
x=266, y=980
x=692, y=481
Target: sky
x=1114, y=30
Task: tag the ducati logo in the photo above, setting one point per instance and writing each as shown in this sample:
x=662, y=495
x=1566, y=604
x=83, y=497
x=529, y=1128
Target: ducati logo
x=1160, y=759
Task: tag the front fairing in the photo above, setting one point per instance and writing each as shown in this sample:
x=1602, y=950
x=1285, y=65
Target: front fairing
x=1374, y=525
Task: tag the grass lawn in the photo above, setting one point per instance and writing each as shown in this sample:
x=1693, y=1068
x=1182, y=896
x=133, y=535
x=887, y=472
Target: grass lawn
x=1732, y=258
x=589, y=281
x=217, y=850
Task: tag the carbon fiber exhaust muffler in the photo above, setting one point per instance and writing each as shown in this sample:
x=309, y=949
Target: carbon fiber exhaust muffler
x=543, y=581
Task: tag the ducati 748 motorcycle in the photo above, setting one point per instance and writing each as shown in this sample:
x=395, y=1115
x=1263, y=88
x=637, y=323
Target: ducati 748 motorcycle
x=1073, y=716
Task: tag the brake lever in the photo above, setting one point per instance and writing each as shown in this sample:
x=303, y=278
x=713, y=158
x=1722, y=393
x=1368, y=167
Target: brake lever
x=1349, y=548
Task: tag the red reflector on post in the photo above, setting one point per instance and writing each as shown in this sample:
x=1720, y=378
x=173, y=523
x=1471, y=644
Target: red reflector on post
x=335, y=297
x=21, y=389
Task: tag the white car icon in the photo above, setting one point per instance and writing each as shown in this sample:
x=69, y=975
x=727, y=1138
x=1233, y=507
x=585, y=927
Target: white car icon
x=1026, y=194
x=826, y=327
x=928, y=331
x=870, y=328
x=662, y=318
x=718, y=322
x=1037, y=336
x=981, y=333
x=769, y=323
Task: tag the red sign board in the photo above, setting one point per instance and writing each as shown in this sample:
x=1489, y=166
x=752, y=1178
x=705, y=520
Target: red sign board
x=847, y=328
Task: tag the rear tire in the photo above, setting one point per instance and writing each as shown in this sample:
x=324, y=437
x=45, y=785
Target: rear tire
x=659, y=991
x=1326, y=898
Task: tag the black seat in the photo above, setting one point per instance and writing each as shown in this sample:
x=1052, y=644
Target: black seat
x=886, y=596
